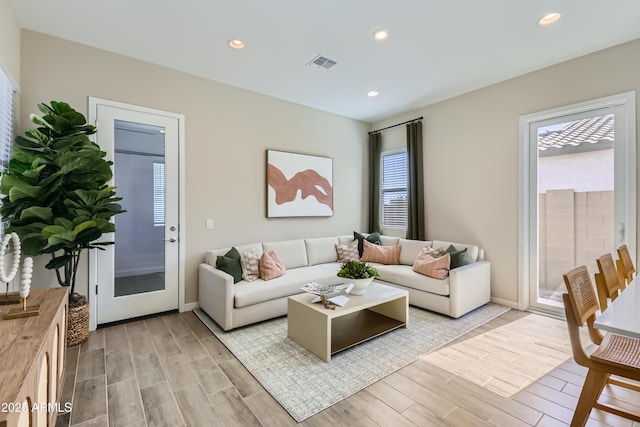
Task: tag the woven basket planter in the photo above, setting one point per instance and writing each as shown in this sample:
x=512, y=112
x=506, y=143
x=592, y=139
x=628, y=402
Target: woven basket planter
x=77, y=325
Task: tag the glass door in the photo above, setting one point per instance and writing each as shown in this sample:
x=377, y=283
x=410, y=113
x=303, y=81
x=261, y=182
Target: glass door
x=138, y=275
x=579, y=196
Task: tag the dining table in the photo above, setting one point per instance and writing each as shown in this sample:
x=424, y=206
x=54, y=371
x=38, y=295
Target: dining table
x=622, y=317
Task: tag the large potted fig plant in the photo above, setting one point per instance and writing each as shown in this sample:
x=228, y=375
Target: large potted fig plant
x=57, y=199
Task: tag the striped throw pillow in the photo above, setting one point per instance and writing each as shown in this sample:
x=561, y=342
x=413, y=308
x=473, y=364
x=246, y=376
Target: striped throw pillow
x=250, y=268
x=380, y=254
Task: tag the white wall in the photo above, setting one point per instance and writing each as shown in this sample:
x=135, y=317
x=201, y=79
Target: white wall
x=471, y=151
x=228, y=131
x=9, y=40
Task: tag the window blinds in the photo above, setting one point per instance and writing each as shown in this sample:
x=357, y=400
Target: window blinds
x=158, y=194
x=6, y=124
x=394, y=190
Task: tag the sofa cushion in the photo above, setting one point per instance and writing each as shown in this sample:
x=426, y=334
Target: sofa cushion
x=249, y=293
x=271, y=266
x=348, y=252
x=345, y=240
x=457, y=256
x=212, y=255
x=250, y=262
x=373, y=238
x=405, y=276
x=472, y=250
x=438, y=268
x=410, y=249
x=230, y=264
x=293, y=253
x=380, y=254
x=321, y=250
x=389, y=240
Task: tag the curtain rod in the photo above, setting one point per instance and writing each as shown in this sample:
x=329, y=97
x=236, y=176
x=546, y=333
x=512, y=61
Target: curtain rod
x=393, y=126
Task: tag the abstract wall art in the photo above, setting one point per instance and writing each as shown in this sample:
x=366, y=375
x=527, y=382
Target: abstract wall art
x=299, y=185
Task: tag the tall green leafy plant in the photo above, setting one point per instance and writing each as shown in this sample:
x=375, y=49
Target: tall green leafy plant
x=56, y=192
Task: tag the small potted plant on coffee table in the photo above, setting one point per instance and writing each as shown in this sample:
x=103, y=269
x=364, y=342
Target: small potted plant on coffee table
x=360, y=274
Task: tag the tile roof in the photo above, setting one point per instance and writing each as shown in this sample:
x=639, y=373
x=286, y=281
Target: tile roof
x=580, y=132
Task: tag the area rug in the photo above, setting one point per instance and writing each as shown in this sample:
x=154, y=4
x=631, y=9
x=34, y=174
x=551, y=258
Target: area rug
x=507, y=359
x=305, y=385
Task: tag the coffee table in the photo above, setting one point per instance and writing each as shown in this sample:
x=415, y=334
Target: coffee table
x=325, y=332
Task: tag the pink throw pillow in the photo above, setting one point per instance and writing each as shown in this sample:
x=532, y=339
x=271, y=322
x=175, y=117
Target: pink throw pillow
x=438, y=268
x=271, y=266
x=380, y=254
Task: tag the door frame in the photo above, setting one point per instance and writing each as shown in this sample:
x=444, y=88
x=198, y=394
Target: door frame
x=93, y=256
x=525, y=216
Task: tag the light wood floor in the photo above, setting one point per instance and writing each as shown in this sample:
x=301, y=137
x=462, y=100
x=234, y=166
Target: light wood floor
x=172, y=371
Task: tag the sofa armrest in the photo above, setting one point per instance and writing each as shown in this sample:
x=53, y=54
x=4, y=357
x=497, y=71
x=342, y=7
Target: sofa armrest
x=469, y=287
x=216, y=295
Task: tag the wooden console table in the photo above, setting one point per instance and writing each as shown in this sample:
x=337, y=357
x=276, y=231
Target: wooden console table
x=32, y=357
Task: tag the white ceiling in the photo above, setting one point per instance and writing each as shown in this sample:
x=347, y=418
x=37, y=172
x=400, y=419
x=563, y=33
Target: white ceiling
x=436, y=49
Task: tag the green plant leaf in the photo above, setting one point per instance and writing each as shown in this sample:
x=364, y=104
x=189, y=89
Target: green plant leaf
x=63, y=222
x=87, y=236
x=31, y=246
x=24, y=191
x=36, y=212
x=66, y=238
x=59, y=262
x=83, y=226
x=53, y=230
x=8, y=182
x=34, y=174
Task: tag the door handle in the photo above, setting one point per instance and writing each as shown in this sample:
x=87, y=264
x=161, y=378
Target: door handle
x=172, y=240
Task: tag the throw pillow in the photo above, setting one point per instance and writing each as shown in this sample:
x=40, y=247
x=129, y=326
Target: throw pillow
x=434, y=252
x=230, y=264
x=271, y=266
x=457, y=257
x=250, y=268
x=348, y=252
x=438, y=268
x=380, y=254
x=373, y=238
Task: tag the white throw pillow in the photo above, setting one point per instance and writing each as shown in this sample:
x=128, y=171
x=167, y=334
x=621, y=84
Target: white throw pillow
x=250, y=265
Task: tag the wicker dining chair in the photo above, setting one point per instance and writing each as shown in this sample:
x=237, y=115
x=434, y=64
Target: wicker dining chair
x=625, y=265
x=608, y=281
x=616, y=355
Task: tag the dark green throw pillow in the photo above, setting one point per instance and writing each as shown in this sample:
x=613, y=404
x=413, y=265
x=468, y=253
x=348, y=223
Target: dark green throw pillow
x=230, y=264
x=457, y=257
x=372, y=238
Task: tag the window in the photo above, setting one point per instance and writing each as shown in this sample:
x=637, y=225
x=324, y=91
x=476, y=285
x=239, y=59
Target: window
x=6, y=124
x=158, y=194
x=394, y=190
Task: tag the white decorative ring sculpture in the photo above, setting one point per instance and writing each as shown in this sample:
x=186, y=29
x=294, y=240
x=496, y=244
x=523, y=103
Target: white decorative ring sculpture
x=16, y=257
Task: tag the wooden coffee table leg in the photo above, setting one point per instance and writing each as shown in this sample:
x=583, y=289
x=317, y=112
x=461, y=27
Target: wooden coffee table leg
x=310, y=329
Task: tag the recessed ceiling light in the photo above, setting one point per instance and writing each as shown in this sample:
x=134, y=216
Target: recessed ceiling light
x=372, y=93
x=380, y=34
x=236, y=44
x=549, y=18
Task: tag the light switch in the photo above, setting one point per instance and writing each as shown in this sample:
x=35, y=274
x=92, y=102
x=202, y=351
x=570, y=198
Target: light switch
x=209, y=224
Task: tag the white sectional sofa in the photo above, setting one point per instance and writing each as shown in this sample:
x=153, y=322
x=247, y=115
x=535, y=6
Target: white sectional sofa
x=234, y=305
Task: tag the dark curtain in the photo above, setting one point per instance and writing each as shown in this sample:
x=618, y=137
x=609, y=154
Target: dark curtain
x=415, y=192
x=375, y=148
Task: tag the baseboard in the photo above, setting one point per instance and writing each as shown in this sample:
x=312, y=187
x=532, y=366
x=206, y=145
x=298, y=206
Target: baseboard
x=504, y=302
x=189, y=306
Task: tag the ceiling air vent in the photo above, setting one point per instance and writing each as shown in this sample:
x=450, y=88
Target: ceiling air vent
x=322, y=61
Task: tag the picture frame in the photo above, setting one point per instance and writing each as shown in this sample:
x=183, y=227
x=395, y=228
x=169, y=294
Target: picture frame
x=299, y=185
